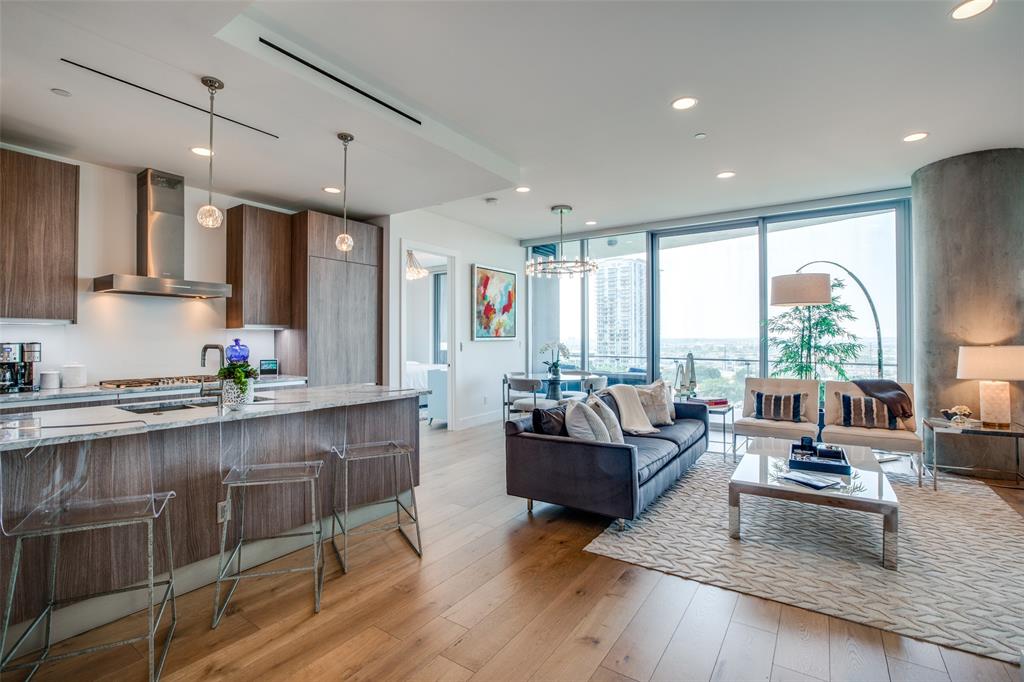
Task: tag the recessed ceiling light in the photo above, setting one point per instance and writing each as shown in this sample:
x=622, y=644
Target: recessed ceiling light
x=684, y=103
x=332, y=190
x=915, y=137
x=725, y=175
x=700, y=136
x=201, y=151
x=522, y=189
x=590, y=222
x=60, y=91
x=971, y=8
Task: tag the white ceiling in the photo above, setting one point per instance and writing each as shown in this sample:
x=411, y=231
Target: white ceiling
x=803, y=100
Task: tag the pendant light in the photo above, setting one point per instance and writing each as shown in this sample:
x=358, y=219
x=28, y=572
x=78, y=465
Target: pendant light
x=558, y=265
x=344, y=240
x=209, y=216
x=413, y=269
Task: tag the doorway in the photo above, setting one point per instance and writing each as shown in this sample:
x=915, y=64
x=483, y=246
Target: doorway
x=426, y=329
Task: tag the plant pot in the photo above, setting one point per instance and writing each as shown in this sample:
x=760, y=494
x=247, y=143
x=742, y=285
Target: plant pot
x=555, y=372
x=234, y=398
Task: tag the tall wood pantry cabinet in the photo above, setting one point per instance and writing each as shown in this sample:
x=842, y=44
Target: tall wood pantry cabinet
x=335, y=334
x=38, y=238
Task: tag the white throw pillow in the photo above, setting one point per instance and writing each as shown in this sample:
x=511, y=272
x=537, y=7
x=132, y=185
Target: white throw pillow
x=583, y=423
x=607, y=416
x=657, y=401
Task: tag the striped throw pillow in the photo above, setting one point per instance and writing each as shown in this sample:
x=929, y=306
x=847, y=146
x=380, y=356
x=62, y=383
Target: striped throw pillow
x=867, y=413
x=783, y=408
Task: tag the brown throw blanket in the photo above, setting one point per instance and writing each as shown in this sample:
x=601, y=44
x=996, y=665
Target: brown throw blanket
x=890, y=393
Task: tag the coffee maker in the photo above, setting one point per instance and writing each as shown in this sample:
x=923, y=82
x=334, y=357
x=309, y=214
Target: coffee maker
x=18, y=366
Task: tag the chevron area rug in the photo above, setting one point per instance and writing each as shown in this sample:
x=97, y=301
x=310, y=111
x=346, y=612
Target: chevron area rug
x=960, y=581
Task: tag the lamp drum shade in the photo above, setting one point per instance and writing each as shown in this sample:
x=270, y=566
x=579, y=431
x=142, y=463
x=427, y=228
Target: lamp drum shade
x=802, y=288
x=999, y=363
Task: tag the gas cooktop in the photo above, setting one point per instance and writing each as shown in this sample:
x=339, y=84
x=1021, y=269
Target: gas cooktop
x=194, y=379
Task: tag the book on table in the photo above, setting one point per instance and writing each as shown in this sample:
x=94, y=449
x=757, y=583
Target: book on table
x=816, y=482
x=710, y=402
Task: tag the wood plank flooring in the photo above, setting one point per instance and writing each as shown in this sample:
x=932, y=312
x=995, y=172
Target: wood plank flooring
x=503, y=595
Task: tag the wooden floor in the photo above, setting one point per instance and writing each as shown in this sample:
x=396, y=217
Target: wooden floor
x=502, y=595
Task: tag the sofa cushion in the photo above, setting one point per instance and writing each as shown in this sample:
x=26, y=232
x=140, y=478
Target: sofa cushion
x=656, y=399
x=869, y=413
x=651, y=455
x=609, y=400
x=608, y=417
x=899, y=440
x=779, y=407
x=766, y=428
x=550, y=422
x=684, y=433
x=583, y=423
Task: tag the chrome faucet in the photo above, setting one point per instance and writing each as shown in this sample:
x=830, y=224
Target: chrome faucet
x=202, y=363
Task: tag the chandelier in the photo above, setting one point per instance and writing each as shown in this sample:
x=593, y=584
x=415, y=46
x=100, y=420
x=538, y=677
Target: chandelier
x=413, y=269
x=558, y=265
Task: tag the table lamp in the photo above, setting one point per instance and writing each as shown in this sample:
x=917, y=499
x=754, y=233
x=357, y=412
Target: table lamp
x=994, y=366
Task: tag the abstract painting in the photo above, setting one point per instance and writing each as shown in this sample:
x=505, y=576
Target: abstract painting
x=494, y=304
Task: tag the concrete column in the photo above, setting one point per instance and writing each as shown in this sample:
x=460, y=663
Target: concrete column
x=968, y=234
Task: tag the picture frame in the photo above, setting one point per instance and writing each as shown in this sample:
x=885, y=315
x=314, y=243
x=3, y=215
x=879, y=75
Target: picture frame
x=495, y=304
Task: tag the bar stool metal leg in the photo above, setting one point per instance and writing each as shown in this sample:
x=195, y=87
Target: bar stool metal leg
x=218, y=610
x=416, y=511
x=11, y=584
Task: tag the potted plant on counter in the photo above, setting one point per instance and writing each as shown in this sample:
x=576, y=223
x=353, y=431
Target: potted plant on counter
x=237, y=375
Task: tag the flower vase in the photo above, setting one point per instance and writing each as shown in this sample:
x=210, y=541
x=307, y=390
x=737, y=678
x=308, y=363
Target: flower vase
x=234, y=398
x=555, y=371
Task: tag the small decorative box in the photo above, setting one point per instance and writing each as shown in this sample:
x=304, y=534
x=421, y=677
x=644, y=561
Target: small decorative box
x=828, y=459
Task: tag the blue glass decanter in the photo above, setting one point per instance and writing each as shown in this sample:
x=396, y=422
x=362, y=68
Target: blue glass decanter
x=237, y=352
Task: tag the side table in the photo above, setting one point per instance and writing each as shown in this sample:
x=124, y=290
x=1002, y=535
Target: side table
x=937, y=425
x=723, y=411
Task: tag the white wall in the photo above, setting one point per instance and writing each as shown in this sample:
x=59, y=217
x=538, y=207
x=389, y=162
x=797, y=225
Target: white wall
x=121, y=336
x=419, y=320
x=479, y=365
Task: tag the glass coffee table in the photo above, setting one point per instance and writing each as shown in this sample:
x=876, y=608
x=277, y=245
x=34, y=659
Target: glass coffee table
x=867, y=489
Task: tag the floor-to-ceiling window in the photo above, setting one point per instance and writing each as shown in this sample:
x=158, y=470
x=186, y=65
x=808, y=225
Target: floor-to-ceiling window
x=707, y=305
x=617, y=308
x=859, y=252
x=704, y=289
x=556, y=310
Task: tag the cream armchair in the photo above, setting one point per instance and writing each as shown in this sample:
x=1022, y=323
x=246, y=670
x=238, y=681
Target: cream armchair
x=901, y=440
x=748, y=426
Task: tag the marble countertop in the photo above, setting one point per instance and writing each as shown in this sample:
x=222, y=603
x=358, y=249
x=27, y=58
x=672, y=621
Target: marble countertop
x=50, y=427
x=100, y=393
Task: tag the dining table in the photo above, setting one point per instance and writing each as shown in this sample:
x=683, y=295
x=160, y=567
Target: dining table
x=554, y=383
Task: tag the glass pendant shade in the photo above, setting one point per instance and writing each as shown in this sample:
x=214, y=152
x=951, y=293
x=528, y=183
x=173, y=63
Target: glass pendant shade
x=560, y=267
x=413, y=269
x=210, y=217
x=344, y=242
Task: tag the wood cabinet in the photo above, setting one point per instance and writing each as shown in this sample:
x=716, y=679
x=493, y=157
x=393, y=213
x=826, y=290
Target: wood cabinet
x=39, y=237
x=322, y=229
x=259, y=266
x=335, y=336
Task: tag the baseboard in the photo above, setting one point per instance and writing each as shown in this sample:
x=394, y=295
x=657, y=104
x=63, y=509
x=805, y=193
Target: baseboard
x=478, y=420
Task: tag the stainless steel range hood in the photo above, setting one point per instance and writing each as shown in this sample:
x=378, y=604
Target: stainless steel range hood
x=160, y=244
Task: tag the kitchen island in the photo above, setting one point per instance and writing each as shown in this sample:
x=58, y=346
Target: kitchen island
x=185, y=447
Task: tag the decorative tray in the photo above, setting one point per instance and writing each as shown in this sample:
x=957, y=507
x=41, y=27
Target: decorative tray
x=828, y=459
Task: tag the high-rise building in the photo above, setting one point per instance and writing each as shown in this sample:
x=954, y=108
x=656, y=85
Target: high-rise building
x=620, y=305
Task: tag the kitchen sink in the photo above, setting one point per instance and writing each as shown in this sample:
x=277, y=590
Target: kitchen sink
x=160, y=408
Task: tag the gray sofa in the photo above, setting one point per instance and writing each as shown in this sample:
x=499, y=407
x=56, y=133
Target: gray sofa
x=617, y=480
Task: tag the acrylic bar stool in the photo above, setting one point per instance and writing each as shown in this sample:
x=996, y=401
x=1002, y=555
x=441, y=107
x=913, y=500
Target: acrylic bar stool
x=366, y=452
x=242, y=476
x=56, y=491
